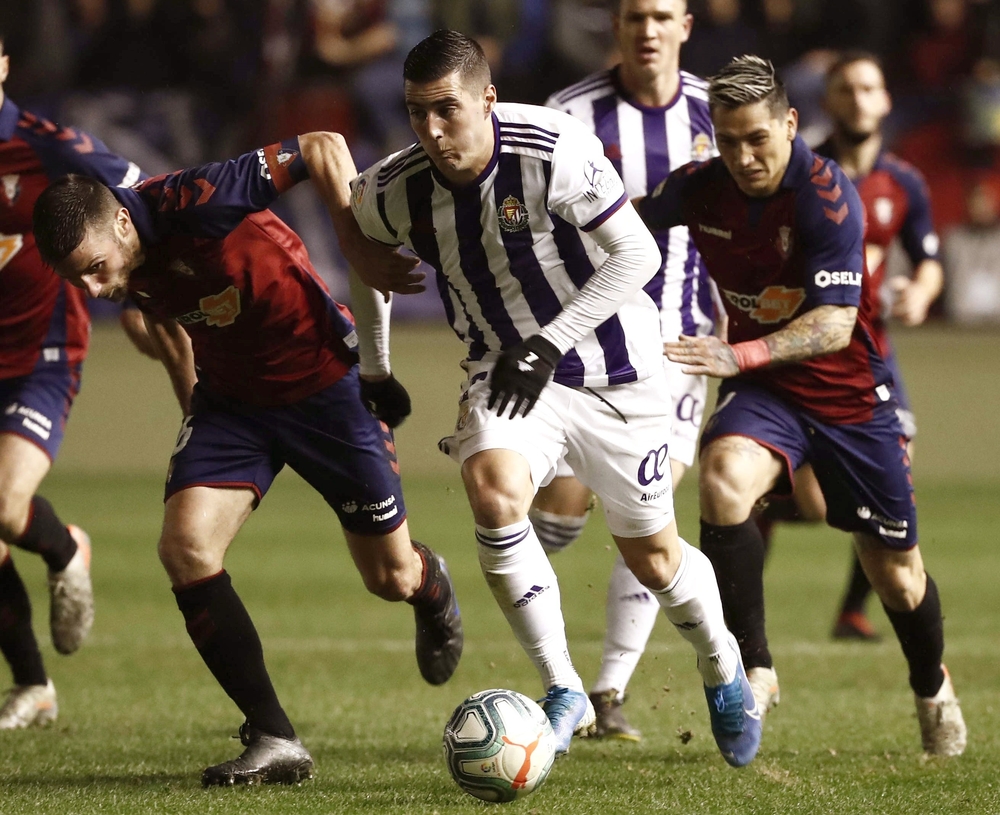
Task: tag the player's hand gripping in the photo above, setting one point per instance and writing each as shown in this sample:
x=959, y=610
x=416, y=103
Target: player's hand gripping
x=703, y=355
x=383, y=268
x=521, y=373
x=386, y=399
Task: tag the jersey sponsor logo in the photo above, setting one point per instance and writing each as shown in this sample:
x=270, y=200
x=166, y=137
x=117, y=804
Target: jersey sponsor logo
x=883, y=210
x=530, y=595
x=217, y=310
x=654, y=466
x=512, y=215
x=785, y=241
x=11, y=188
x=725, y=234
x=772, y=305
x=600, y=182
x=688, y=408
x=652, y=496
x=824, y=279
x=701, y=147
x=10, y=245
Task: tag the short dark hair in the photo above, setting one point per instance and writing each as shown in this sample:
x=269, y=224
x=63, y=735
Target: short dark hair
x=845, y=58
x=64, y=213
x=445, y=52
x=747, y=80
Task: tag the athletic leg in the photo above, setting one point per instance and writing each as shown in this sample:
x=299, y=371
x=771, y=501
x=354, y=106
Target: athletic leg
x=560, y=511
x=199, y=524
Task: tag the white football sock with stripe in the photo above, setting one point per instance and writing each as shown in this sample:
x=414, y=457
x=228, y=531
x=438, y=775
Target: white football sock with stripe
x=526, y=589
x=691, y=602
x=631, y=614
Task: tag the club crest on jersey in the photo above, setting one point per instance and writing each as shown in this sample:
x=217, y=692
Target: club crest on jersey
x=11, y=188
x=883, y=210
x=285, y=156
x=512, y=215
x=785, y=241
x=701, y=147
x=772, y=305
x=217, y=310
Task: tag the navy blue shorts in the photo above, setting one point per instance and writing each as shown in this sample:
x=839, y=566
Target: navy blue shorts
x=36, y=406
x=862, y=469
x=329, y=438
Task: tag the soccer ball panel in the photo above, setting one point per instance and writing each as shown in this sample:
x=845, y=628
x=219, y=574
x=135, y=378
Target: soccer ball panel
x=499, y=745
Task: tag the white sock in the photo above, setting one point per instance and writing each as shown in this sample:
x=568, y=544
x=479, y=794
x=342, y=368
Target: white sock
x=527, y=591
x=631, y=613
x=556, y=532
x=691, y=602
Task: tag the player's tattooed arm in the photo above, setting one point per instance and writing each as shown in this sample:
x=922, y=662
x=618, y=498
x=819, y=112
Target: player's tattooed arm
x=822, y=330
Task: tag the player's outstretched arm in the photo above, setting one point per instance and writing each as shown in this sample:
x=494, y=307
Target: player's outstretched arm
x=134, y=326
x=173, y=348
x=822, y=330
x=331, y=169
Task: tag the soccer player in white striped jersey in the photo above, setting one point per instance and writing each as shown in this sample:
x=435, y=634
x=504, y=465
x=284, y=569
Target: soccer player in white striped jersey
x=540, y=263
x=651, y=118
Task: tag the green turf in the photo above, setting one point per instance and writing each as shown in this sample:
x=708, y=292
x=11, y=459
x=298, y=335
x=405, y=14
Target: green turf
x=141, y=716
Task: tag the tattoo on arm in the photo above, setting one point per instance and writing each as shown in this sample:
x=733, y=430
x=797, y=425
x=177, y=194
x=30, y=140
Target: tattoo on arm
x=822, y=330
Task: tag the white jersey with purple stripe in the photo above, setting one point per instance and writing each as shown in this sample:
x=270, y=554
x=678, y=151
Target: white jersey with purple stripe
x=512, y=248
x=645, y=145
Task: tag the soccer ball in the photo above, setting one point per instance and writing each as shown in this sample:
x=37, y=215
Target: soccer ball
x=499, y=745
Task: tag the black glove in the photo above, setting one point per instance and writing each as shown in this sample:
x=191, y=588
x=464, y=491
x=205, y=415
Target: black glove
x=521, y=373
x=386, y=400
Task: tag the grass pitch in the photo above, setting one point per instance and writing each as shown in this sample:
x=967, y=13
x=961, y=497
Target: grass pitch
x=141, y=716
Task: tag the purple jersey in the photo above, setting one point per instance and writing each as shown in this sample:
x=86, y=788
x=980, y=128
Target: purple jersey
x=43, y=320
x=776, y=258
x=262, y=324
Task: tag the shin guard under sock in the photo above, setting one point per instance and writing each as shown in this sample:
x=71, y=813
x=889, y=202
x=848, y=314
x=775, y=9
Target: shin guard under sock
x=17, y=640
x=48, y=536
x=224, y=635
x=737, y=555
x=921, y=635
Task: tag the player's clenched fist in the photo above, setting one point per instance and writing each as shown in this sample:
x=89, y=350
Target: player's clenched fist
x=386, y=400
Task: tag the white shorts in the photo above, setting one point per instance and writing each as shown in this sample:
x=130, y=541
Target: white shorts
x=615, y=439
x=687, y=398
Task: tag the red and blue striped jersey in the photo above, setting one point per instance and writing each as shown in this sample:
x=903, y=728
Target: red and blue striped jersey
x=43, y=320
x=263, y=326
x=776, y=258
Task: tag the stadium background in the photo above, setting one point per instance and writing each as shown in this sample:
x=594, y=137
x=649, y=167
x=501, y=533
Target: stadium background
x=170, y=82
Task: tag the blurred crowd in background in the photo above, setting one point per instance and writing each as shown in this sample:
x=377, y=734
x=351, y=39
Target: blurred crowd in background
x=170, y=83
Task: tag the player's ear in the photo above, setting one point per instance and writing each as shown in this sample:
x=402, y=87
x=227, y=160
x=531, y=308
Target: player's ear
x=489, y=99
x=792, y=123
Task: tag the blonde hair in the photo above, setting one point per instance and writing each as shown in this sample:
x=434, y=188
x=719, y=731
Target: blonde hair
x=747, y=80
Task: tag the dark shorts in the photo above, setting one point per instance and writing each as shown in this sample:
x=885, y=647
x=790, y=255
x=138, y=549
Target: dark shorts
x=329, y=438
x=36, y=406
x=862, y=469
x=903, y=409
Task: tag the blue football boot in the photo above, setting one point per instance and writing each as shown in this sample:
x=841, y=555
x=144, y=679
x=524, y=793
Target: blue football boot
x=736, y=719
x=570, y=713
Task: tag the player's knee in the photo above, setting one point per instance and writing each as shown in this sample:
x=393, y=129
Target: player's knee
x=726, y=490
x=554, y=531
x=14, y=511
x=901, y=589
x=185, y=561
x=496, y=499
